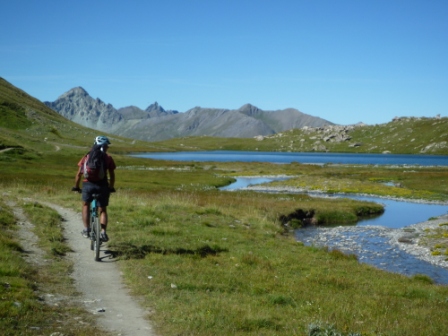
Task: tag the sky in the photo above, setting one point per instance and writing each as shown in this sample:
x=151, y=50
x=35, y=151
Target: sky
x=346, y=61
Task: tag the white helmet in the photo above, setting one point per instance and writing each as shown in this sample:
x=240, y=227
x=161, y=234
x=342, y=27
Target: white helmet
x=101, y=140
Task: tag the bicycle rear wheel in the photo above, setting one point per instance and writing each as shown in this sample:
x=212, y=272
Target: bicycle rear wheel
x=92, y=233
x=96, y=241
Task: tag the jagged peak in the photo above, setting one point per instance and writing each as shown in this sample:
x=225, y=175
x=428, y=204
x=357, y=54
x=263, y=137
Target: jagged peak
x=76, y=91
x=155, y=107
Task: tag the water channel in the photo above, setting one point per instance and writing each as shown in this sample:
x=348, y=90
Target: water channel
x=374, y=241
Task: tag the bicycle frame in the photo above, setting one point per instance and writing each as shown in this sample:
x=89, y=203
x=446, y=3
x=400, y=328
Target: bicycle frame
x=95, y=227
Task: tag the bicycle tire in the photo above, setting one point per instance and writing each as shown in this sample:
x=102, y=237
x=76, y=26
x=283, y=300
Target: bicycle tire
x=92, y=233
x=97, y=241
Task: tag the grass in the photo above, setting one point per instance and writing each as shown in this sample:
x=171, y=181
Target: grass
x=404, y=136
x=253, y=279
x=206, y=262
x=214, y=263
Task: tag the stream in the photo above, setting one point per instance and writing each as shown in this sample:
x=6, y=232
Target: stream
x=374, y=241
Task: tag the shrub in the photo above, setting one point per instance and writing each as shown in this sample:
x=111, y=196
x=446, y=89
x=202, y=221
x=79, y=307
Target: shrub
x=320, y=329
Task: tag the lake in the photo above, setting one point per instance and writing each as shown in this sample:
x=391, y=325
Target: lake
x=309, y=158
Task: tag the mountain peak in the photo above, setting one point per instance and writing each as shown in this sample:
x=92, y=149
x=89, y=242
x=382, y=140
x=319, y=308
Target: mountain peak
x=75, y=92
x=155, y=107
x=249, y=109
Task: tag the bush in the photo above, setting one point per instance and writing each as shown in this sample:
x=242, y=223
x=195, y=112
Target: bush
x=319, y=329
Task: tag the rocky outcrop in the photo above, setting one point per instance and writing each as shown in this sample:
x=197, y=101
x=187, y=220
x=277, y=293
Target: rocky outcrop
x=330, y=133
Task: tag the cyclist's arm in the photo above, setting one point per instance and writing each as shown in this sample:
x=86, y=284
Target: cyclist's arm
x=78, y=178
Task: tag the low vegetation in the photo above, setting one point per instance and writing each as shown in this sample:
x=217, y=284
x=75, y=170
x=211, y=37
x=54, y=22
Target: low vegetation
x=401, y=136
x=206, y=262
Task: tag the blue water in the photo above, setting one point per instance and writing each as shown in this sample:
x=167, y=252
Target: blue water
x=243, y=182
x=398, y=214
x=316, y=158
x=370, y=239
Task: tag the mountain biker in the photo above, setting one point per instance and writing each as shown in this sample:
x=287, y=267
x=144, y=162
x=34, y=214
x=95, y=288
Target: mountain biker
x=102, y=187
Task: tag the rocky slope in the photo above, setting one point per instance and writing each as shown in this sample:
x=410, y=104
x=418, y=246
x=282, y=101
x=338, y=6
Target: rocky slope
x=156, y=123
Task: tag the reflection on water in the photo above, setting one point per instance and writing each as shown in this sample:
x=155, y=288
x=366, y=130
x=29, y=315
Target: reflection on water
x=372, y=239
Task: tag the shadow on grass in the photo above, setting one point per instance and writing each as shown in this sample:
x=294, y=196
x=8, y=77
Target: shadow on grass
x=130, y=251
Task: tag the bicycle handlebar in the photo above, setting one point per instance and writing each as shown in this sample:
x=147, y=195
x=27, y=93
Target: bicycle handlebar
x=79, y=190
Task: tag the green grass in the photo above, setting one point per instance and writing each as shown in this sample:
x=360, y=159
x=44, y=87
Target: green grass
x=206, y=262
x=405, y=136
x=252, y=279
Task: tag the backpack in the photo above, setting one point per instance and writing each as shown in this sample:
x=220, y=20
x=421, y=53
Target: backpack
x=95, y=165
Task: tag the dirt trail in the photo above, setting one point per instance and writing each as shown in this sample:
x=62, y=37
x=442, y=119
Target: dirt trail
x=100, y=283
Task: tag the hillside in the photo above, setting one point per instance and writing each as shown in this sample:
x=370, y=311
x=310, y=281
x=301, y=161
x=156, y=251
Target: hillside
x=32, y=128
x=155, y=123
x=400, y=136
x=27, y=123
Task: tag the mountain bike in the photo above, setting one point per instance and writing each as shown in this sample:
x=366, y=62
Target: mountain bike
x=95, y=227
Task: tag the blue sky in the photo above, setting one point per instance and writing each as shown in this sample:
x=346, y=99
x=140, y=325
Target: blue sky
x=346, y=61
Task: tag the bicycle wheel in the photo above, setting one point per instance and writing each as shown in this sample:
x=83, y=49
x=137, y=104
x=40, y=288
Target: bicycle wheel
x=97, y=238
x=92, y=233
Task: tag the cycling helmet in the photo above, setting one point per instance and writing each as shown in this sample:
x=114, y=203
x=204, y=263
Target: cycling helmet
x=101, y=140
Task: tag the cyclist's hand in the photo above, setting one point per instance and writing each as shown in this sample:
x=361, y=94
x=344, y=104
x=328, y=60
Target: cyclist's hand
x=112, y=190
x=76, y=189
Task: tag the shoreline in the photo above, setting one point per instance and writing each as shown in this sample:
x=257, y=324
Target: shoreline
x=409, y=237
x=326, y=194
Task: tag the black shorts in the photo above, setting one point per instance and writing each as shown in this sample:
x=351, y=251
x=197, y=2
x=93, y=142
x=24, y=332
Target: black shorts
x=89, y=188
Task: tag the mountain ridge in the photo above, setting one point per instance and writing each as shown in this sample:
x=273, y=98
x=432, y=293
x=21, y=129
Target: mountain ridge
x=155, y=123
x=28, y=128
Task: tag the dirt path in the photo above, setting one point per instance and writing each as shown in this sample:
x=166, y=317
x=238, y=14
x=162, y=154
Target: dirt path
x=100, y=283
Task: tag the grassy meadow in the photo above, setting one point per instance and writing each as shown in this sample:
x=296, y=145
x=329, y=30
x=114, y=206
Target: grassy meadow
x=204, y=262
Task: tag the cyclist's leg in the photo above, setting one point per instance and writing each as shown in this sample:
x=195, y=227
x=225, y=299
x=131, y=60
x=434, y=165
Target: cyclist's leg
x=103, y=202
x=87, y=191
x=103, y=221
x=103, y=217
x=86, y=214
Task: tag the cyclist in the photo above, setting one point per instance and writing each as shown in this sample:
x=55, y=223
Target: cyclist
x=102, y=187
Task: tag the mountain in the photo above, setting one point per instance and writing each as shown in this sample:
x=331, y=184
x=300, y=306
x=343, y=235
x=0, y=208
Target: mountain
x=28, y=128
x=155, y=123
x=78, y=106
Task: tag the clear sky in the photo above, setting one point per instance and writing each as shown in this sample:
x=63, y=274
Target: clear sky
x=346, y=61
